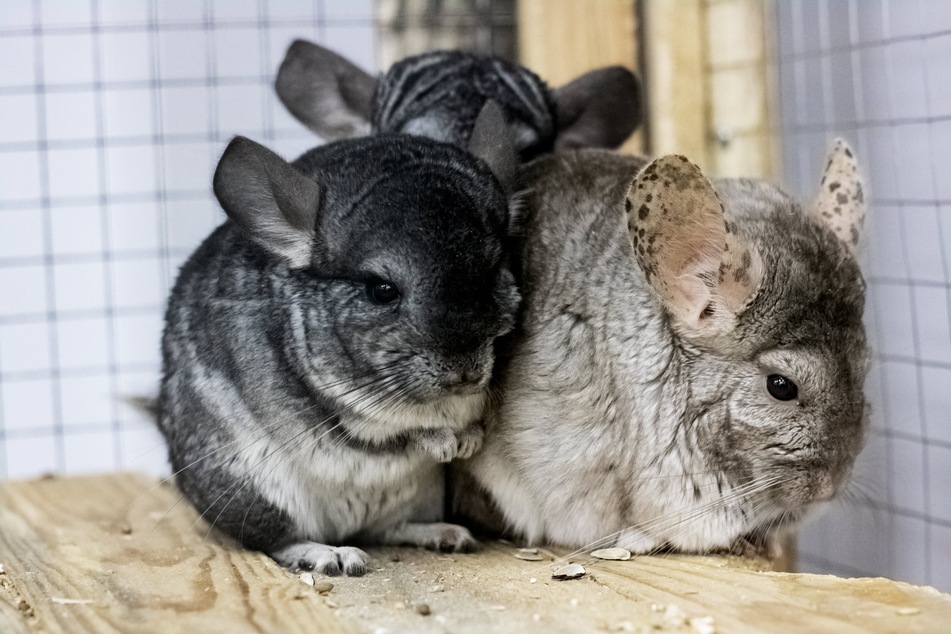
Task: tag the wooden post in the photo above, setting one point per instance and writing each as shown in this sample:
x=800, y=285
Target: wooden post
x=561, y=39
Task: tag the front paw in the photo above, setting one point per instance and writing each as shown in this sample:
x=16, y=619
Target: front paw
x=469, y=441
x=439, y=444
x=447, y=538
x=443, y=444
x=328, y=560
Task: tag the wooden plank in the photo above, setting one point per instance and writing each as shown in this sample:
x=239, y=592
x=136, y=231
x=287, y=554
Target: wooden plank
x=562, y=39
x=677, y=91
x=136, y=560
x=75, y=559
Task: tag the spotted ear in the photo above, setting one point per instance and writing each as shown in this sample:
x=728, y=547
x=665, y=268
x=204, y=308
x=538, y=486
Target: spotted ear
x=840, y=203
x=702, y=270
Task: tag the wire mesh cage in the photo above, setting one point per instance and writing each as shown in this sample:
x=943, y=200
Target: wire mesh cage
x=113, y=114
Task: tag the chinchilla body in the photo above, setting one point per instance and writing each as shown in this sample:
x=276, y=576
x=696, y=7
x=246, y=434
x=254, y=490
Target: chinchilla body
x=329, y=347
x=439, y=95
x=690, y=358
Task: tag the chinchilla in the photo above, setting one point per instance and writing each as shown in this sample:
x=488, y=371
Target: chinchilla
x=329, y=347
x=688, y=371
x=439, y=94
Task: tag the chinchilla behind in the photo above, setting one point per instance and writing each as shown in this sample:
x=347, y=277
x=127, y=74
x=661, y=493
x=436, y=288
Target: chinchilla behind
x=439, y=95
x=689, y=367
x=329, y=347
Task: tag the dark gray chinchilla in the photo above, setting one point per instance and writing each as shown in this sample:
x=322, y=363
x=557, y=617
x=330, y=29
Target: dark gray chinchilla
x=329, y=348
x=691, y=356
x=439, y=94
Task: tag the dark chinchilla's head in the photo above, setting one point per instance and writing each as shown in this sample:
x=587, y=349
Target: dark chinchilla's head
x=439, y=95
x=395, y=254
x=770, y=295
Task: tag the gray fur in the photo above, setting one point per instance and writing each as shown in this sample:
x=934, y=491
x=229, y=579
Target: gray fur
x=439, y=95
x=302, y=416
x=634, y=409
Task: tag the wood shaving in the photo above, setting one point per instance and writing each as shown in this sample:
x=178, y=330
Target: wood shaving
x=703, y=625
x=674, y=616
x=307, y=578
x=528, y=554
x=62, y=601
x=571, y=571
x=616, y=554
x=908, y=611
x=323, y=587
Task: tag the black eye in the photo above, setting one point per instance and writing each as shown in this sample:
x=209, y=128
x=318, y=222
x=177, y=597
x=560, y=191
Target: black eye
x=382, y=292
x=781, y=388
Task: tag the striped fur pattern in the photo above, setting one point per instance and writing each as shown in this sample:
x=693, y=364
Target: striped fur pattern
x=439, y=95
x=306, y=410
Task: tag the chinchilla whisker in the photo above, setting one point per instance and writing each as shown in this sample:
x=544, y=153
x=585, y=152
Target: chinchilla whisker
x=384, y=402
x=612, y=537
x=247, y=481
x=263, y=436
x=247, y=478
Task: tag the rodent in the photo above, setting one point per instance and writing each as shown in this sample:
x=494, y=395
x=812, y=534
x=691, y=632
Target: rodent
x=439, y=94
x=689, y=363
x=329, y=347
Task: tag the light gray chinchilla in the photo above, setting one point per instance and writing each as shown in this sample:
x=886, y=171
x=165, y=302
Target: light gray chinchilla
x=329, y=348
x=689, y=368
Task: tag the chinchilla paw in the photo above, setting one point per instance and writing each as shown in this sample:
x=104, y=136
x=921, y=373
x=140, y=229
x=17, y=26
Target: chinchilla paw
x=440, y=444
x=328, y=560
x=469, y=441
x=447, y=538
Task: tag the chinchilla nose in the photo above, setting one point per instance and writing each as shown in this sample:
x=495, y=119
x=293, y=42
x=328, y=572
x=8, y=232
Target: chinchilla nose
x=461, y=378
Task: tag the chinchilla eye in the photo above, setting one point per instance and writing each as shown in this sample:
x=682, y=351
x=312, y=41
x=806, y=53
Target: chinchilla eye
x=382, y=292
x=781, y=388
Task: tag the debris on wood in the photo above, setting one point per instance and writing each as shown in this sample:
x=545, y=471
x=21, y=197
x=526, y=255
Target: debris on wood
x=423, y=609
x=616, y=554
x=323, y=587
x=674, y=616
x=438, y=588
x=703, y=625
x=307, y=578
x=908, y=611
x=528, y=554
x=2, y=571
x=571, y=571
x=62, y=601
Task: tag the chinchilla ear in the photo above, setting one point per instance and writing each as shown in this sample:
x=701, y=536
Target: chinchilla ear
x=702, y=270
x=599, y=109
x=840, y=203
x=268, y=198
x=491, y=141
x=326, y=93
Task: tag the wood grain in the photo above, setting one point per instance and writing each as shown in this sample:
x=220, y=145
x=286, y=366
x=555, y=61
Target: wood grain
x=562, y=39
x=97, y=555
x=119, y=554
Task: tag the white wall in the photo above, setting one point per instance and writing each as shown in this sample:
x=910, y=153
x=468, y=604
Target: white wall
x=112, y=116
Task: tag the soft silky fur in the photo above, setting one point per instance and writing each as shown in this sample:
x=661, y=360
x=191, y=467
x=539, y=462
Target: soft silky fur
x=633, y=406
x=439, y=95
x=301, y=417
